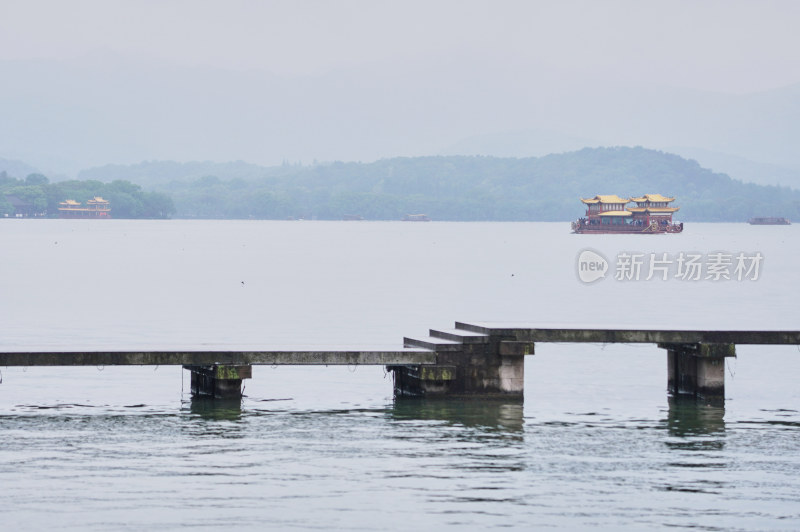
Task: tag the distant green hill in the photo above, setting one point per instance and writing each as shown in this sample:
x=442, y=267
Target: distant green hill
x=149, y=173
x=465, y=188
x=15, y=168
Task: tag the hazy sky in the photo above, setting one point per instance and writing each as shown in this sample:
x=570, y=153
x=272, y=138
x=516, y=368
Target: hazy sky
x=732, y=46
x=89, y=82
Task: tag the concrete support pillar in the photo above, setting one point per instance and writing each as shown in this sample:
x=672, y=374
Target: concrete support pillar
x=221, y=382
x=697, y=369
x=494, y=368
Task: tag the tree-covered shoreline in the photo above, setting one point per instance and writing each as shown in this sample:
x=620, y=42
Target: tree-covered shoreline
x=462, y=188
x=127, y=200
x=451, y=188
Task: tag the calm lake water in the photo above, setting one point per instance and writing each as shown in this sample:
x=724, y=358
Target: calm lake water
x=597, y=442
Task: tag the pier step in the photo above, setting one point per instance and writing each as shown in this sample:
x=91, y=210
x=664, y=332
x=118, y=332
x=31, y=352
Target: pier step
x=447, y=340
x=461, y=336
x=433, y=343
x=466, y=328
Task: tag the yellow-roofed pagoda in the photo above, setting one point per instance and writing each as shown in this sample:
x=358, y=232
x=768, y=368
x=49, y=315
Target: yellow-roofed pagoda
x=96, y=207
x=610, y=214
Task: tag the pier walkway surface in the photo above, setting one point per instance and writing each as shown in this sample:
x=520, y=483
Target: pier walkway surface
x=533, y=333
x=482, y=359
x=295, y=356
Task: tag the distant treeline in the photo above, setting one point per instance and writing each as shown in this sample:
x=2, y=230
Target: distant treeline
x=445, y=188
x=127, y=200
x=477, y=188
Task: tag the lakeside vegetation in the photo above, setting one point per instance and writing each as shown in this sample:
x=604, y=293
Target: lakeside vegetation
x=479, y=188
x=459, y=188
x=127, y=199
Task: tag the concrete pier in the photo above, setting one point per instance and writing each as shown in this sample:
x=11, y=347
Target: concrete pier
x=467, y=364
x=697, y=369
x=476, y=359
x=187, y=357
x=486, y=359
x=219, y=374
x=220, y=382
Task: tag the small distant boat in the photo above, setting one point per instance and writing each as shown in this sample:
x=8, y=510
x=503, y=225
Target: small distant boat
x=608, y=214
x=769, y=220
x=416, y=218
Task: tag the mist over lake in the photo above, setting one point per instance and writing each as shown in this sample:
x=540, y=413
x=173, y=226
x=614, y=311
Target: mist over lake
x=94, y=446
x=181, y=179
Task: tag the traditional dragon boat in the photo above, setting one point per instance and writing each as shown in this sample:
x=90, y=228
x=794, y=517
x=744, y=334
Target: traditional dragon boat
x=609, y=214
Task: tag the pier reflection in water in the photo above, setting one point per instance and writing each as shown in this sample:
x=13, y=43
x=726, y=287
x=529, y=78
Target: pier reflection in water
x=211, y=409
x=696, y=439
x=488, y=415
x=399, y=463
x=695, y=422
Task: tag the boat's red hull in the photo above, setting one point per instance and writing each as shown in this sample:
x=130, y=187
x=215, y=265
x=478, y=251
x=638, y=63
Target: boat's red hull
x=84, y=217
x=625, y=229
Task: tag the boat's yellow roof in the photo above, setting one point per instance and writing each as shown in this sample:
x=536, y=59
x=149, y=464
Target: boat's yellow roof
x=615, y=213
x=69, y=202
x=606, y=198
x=653, y=209
x=652, y=198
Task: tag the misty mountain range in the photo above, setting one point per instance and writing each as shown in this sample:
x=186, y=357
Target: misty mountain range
x=459, y=187
x=65, y=117
x=468, y=188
